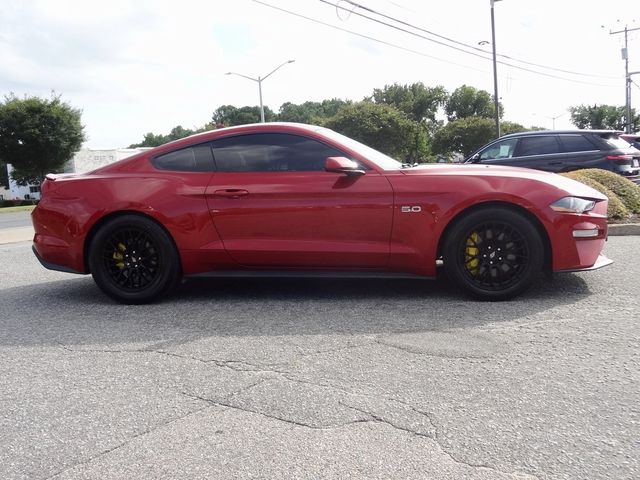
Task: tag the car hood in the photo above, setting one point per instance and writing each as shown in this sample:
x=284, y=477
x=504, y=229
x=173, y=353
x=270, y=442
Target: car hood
x=567, y=185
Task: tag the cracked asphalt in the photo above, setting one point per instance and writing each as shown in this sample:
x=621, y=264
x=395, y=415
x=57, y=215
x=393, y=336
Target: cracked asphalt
x=318, y=379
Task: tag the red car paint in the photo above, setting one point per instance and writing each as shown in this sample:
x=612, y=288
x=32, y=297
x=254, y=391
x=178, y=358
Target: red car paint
x=389, y=220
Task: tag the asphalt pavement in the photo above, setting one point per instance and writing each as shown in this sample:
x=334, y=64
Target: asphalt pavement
x=318, y=379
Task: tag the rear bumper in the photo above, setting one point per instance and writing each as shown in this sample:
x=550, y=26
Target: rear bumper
x=53, y=266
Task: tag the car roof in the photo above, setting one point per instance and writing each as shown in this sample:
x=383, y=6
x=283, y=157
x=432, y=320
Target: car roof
x=560, y=132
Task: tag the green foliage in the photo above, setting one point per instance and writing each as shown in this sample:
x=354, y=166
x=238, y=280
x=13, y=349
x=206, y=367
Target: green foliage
x=228, y=115
x=466, y=135
x=38, y=136
x=418, y=102
x=466, y=101
x=311, y=112
x=176, y=133
x=624, y=188
x=377, y=125
x=616, y=208
x=601, y=117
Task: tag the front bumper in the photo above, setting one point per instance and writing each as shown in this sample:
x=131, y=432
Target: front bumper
x=602, y=261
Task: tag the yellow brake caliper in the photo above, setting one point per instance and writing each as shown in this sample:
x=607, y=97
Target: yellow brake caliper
x=118, y=255
x=472, y=254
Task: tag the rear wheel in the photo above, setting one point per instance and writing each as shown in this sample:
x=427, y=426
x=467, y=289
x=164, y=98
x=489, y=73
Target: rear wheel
x=133, y=260
x=494, y=253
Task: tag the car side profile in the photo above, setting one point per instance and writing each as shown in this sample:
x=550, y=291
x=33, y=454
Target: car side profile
x=291, y=199
x=563, y=151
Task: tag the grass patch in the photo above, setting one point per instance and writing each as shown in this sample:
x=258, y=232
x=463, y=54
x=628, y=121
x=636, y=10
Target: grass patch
x=23, y=208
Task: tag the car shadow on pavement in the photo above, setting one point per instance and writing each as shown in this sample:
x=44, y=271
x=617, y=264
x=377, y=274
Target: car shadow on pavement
x=75, y=312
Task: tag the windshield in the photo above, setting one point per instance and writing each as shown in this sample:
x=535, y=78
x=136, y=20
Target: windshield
x=380, y=159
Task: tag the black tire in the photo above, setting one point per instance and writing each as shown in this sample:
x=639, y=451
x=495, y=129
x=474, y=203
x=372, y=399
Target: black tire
x=493, y=253
x=133, y=260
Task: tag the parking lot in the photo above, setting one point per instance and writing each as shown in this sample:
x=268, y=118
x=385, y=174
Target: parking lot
x=320, y=378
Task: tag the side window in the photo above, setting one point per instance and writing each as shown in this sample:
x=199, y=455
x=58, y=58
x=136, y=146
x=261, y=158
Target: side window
x=503, y=149
x=271, y=152
x=191, y=159
x=538, y=145
x=576, y=143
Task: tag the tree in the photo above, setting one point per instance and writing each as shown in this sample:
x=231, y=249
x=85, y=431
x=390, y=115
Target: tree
x=310, y=112
x=176, y=133
x=418, y=102
x=605, y=117
x=380, y=126
x=228, y=115
x=465, y=135
x=466, y=101
x=38, y=136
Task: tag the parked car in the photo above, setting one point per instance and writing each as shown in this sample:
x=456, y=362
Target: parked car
x=632, y=138
x=563, y=151
x=291, y=199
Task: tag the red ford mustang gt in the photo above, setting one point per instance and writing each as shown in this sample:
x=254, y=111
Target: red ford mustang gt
x=291, y=199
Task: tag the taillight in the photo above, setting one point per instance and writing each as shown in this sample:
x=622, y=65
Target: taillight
x=619, y=157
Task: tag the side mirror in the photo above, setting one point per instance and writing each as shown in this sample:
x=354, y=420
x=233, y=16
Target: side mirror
x=342, y=165
x=474, y=159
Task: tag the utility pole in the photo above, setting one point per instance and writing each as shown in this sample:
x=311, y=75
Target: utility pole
x=627, y=78
x=496, y=102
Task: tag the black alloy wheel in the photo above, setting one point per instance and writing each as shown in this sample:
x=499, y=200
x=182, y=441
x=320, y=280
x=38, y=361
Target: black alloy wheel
x=493, y=253
x=133, y=260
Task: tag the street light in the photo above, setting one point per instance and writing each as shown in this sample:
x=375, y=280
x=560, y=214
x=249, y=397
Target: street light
x=553, y=119
x=495, y=70
x=259, y=80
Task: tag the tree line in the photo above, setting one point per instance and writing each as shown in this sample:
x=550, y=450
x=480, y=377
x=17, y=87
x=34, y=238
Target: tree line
x=413, y=123
x=403, y=121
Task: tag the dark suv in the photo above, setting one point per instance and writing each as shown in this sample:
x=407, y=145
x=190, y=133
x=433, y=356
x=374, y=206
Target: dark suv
x=563, y=151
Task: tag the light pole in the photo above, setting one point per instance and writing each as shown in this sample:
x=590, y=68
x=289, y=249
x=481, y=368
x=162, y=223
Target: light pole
x=495, y=70
x=259, y=80
x=553, y=119
x=628, y=109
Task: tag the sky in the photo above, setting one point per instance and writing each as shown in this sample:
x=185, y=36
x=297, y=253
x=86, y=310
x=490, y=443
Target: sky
x=147, y=66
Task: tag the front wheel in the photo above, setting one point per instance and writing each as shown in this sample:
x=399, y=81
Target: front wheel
x=133, y=260
x=493, y=253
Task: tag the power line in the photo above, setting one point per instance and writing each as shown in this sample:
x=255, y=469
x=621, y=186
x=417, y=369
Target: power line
x=416, y=52
x=335, y=27
x=355, y=4
x=550, y=75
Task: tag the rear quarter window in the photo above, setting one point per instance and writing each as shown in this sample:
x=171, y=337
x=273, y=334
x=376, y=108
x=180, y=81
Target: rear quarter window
x=577, y=143
x=191, y=159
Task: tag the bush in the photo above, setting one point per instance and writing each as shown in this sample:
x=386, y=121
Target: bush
x=616, y=208
x=624, y=188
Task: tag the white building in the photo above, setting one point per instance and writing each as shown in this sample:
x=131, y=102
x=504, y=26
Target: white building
x=89, y=159
x=85, y=160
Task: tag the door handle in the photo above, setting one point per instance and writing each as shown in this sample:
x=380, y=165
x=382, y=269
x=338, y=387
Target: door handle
x=231, y=193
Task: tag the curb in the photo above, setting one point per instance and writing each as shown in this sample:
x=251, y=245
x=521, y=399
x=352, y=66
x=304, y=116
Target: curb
x=621, y=229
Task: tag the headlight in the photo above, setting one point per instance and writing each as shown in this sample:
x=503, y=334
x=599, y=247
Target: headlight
x=573, y=205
